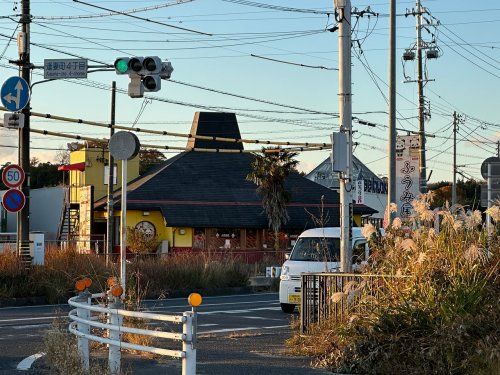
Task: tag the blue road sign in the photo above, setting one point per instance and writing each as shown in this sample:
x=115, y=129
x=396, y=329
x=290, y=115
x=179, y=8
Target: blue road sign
x=15, y=93
x=13, y=200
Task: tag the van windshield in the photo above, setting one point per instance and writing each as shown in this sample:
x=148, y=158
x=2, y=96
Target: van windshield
x=316, y=249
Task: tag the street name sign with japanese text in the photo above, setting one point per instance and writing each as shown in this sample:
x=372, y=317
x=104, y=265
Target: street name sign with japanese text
x=65, y=68
x=15, y=93
x=13, y=200
x=13, y=176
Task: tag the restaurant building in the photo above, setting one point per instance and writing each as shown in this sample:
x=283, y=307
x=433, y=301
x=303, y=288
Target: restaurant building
x=202, y=201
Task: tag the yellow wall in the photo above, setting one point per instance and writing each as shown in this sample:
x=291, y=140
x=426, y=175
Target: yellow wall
x=163, y=232
x=95, y=160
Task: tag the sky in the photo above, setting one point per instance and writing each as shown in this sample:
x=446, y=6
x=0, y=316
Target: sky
x=464, y=78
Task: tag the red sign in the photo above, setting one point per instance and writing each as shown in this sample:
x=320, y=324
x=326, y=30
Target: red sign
x=13, y=176
x=13, y=200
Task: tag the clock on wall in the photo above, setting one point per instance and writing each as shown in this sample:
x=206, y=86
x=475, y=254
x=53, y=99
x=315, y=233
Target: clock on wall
x=147, y=228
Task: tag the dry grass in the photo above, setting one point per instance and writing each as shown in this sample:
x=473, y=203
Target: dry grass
x=151, y=277
x=62, y=353
x=442, y=319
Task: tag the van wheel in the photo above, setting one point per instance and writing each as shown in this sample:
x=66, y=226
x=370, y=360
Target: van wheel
x=287, y=308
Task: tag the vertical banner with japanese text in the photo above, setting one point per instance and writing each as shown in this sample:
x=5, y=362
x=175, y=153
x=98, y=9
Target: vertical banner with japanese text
x=85, y=220
x=407, y=173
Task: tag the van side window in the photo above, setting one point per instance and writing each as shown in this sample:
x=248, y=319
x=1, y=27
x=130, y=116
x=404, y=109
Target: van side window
x=358, y=251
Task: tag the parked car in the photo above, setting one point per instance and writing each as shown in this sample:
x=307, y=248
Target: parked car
x=316, y=250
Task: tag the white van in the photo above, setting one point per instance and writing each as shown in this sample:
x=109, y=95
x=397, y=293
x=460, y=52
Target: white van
x=316, y=250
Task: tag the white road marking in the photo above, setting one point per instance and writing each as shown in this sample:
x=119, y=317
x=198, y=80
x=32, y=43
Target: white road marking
x=156, y=309
x=238, y=311
x=146, y=300
x=23, y=319
x=29, y=326
x=26, y=363
x=241, y=329
x=207, y=325
x=260, y=318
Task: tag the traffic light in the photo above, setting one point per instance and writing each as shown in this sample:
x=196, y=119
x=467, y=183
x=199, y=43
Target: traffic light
x=145, y=73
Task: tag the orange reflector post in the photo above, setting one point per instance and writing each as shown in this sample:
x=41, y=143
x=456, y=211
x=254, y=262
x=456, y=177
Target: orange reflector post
x=195, y=299
x=88, y=282
x=116, y=290
x=80, y=285
x=112, y=281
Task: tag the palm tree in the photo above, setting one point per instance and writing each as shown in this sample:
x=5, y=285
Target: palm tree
x=269, y=172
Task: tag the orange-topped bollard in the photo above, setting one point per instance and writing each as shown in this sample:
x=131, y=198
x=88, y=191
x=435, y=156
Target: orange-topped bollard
x=112, y=280
x=116, y=290
x=88, y=282
x=195, y=299
x=81, y=285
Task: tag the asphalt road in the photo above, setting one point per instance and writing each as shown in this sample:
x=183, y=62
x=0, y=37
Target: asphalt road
x=242, y=334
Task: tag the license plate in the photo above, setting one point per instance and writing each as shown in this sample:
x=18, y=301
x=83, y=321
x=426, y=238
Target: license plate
x=294, y=298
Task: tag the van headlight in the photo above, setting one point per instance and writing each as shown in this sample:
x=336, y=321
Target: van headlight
x=285, y=273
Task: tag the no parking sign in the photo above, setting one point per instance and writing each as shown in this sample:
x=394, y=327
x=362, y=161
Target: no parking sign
x=13, y=200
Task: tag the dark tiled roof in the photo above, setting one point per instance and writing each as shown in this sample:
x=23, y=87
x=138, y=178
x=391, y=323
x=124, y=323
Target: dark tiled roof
x=215, y=124
x=198, y=189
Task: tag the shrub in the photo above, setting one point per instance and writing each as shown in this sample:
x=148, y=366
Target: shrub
x=441, y=319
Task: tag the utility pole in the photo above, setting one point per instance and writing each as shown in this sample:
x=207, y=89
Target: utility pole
x=23, y=220
x=421, y=104
x=391, y=196
x=111, y=179
x=498, y=149
x=454, y=187
x=343, y=8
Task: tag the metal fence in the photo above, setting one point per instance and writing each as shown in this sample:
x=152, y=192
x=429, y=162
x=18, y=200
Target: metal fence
x=107, y=319
x=332, y=296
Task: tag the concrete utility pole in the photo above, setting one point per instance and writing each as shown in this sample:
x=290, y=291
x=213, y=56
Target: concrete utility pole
x=23, y=221
x=343, y=8
x=454, y=187
x=391, y=196
x=421, y=104
x=111, y=177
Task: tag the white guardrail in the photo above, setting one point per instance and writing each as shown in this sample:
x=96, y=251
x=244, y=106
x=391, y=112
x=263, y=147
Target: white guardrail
x=82, y=320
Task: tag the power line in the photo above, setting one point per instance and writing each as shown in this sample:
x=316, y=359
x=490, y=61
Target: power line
x=141, y=18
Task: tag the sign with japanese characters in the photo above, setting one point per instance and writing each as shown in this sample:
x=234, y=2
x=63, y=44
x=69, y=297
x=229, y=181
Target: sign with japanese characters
x=85, y=219
x=407, y=173
x=360, y=192
x=65, y=68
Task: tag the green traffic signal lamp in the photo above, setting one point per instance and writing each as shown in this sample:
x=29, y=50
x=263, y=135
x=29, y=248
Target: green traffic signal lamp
x=121, y=65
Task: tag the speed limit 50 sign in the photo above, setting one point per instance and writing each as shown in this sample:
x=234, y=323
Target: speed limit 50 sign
x=13, y=176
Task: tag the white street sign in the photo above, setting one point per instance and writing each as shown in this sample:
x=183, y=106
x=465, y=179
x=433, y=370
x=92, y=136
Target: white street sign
x=65, y=68
x=13, y=120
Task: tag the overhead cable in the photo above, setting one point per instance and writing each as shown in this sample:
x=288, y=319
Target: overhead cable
x=193, y=149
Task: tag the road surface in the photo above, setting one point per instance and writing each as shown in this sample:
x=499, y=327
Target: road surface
x=239, y=334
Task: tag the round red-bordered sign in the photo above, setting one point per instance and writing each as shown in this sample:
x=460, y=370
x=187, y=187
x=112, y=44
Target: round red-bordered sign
x=13, y=176
x=13, y=200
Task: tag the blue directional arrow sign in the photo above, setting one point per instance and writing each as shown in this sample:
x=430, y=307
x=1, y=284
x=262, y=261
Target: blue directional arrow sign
x=15, y=93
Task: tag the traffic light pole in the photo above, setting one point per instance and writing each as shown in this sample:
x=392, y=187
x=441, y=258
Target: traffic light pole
x=111, y=177
x=23, y=222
